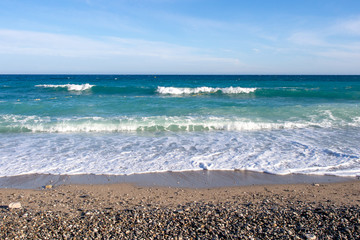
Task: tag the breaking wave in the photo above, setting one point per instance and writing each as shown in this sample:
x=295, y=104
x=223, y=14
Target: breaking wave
x=70, y=87
x=180, y=91
x=36, y=124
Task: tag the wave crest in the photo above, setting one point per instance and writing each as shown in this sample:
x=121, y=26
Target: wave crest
x=16, y=123
x=70, y=87
x=180, y=91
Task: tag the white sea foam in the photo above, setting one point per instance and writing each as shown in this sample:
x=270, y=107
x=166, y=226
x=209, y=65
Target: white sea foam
x=37, y=124
x=310, y=151
x=180, y=91
x=356, y=121
x=70, y=87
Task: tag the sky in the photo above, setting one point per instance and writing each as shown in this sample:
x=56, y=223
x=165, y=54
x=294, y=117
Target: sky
x=180, y=37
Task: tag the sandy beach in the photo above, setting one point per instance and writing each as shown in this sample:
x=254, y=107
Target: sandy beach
x=128, y=211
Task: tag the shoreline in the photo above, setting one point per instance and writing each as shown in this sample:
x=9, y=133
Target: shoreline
x=183, y=179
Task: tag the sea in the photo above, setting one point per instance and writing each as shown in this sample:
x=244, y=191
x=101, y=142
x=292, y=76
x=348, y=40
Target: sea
x=131, y=124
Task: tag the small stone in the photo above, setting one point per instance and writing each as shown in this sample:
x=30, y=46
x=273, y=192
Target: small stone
x=310, y=236
x=316, y=184
x=48, y=186
x=15, y=205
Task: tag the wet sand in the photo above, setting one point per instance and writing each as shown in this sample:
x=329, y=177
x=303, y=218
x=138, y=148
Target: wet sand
x=185, y=179
x=313, y=210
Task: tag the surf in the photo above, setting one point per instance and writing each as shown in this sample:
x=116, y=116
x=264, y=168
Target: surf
x=69, y=87
x=197, y=90
x=121, y=124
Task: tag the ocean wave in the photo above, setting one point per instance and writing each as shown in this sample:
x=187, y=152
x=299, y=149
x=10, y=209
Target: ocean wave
x=36, y=124
x=268, y=92
x=180, y=91
x=70, y=87
x=309, y=151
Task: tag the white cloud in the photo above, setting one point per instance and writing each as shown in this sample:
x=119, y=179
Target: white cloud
x=132, y=53
x=329, y=35
x=38, y=43
x=332, y=42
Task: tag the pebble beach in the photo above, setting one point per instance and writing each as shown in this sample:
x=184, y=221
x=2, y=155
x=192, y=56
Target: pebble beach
x=125, y=211
x=180, y=120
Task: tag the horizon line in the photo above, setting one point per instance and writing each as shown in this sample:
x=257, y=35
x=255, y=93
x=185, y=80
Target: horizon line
x=190, y=74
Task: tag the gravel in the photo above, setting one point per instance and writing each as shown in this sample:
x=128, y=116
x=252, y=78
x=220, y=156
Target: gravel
x=200, y=220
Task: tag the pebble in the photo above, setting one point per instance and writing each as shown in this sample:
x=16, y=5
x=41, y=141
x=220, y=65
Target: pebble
x=310, y=236
x=15, y=205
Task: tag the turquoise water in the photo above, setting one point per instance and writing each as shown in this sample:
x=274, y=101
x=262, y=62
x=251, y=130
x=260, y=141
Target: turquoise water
x=70, y=124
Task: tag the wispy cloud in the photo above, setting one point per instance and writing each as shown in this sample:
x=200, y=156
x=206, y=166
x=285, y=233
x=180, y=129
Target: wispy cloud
x=157, y=54
x=333, y=41
x=38, y=43
x=196, y=22
x=307, y=38
x=348, y=26
x=340, y=54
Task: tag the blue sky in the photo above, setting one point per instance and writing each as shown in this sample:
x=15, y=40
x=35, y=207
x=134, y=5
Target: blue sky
x=180, y=37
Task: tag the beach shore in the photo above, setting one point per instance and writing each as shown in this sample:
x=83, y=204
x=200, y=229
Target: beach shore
x=317, y=210
x=183, y=179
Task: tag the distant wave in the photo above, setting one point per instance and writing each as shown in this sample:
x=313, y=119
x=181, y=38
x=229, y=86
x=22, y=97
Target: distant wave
x=70, y=87
x=179, y=91
x=269, y=92
x=36, y=124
